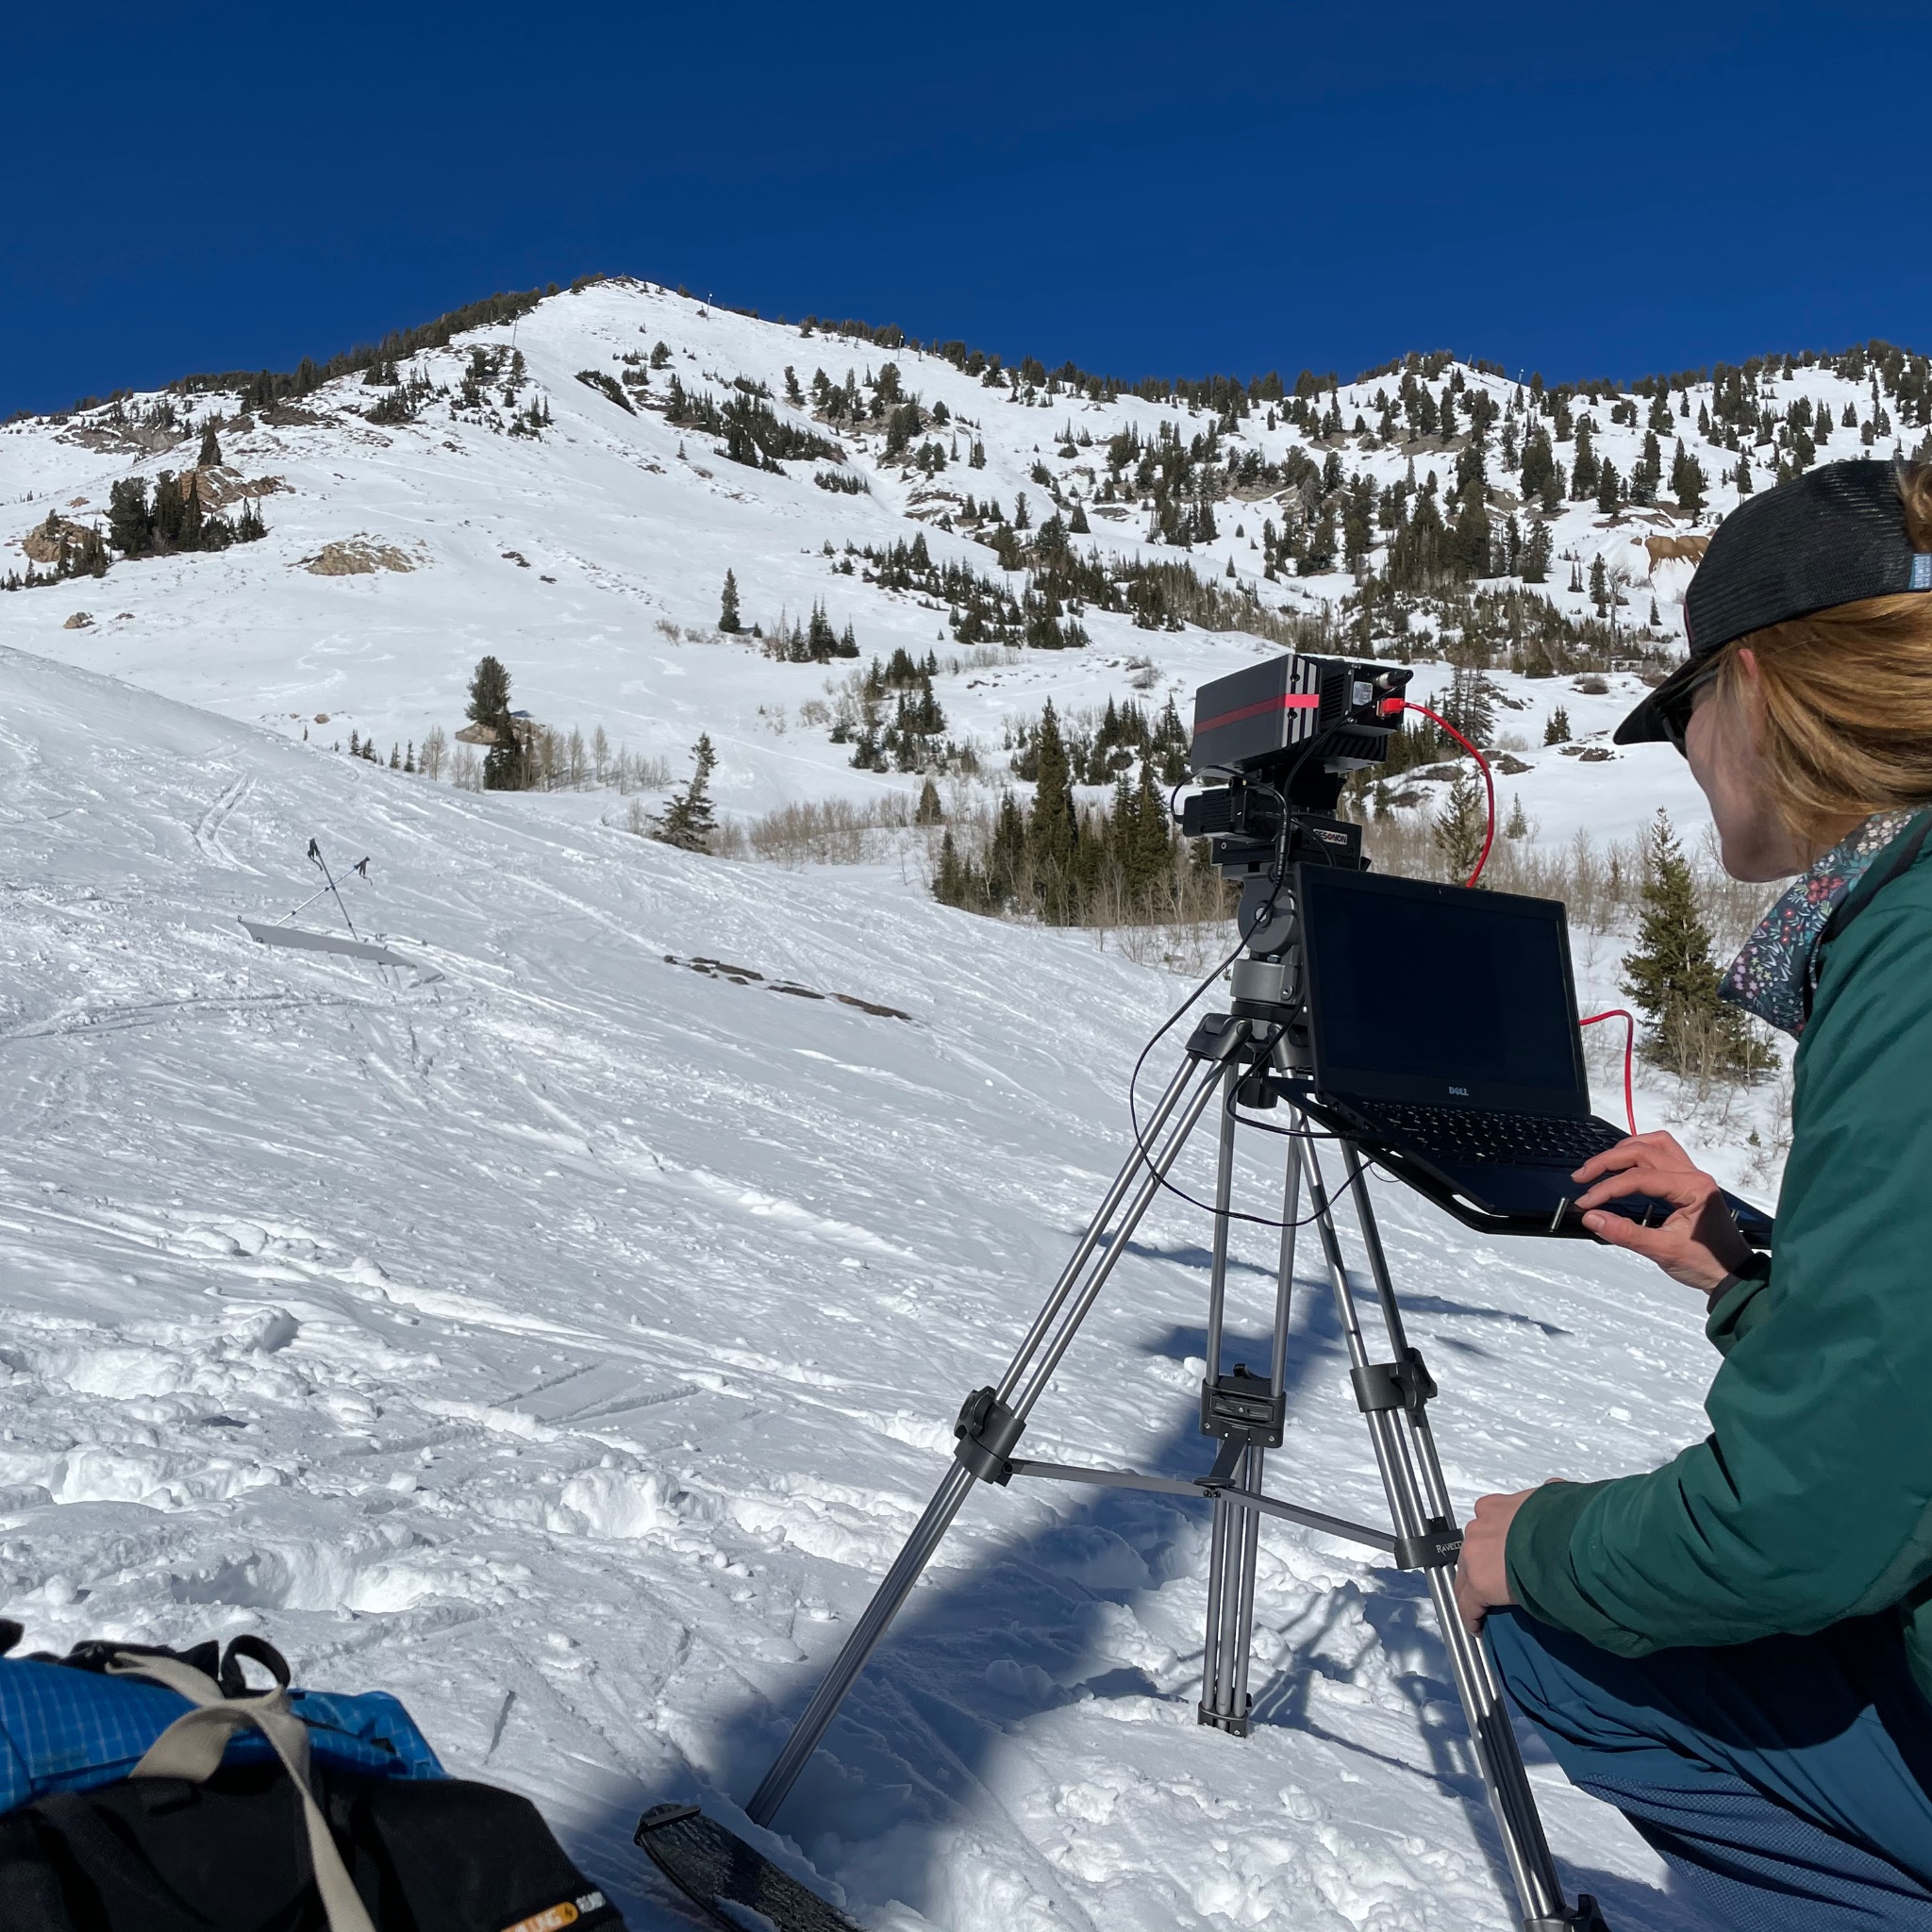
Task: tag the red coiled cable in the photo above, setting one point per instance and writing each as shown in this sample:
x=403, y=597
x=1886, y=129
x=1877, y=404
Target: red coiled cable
x=1629, y=1052
x=1442, y=724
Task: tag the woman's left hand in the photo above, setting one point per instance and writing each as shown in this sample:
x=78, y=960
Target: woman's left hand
x=1482, y=1578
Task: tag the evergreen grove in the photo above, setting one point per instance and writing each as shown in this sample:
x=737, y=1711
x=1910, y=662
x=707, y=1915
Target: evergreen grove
x=1118, y=864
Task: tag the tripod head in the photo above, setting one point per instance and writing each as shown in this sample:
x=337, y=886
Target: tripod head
x=1273, y=745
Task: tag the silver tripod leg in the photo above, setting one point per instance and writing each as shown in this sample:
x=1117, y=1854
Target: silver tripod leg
x=1419, y=1505
x=1139, y=1181
x=1234, y=1546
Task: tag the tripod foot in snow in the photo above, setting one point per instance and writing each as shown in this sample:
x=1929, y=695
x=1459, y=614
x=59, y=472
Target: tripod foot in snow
x=738, y=1886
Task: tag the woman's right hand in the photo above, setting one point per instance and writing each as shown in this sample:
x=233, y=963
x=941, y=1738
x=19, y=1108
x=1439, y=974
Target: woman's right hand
x=1699, y=1244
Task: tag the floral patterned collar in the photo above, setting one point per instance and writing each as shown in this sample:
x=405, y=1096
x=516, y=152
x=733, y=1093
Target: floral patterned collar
x=1776, y=973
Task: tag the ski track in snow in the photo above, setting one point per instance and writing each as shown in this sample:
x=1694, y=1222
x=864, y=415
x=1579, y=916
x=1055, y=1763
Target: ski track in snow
x=567, y=1344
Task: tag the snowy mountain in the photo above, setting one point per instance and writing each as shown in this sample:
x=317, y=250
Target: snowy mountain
x=591, y=556
x=564, y=1335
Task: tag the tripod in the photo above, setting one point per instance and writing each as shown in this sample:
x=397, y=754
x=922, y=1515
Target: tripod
x=1244, y=1058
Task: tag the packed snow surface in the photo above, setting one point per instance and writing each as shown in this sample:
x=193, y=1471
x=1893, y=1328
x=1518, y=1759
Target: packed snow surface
x=567, y=1342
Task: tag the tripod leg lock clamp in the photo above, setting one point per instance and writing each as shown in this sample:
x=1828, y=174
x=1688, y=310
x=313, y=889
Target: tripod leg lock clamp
x=1436, y=1548
x=1406, y=1384
x=988, y=1432
x=1218, y=1037
x=1585, y=1916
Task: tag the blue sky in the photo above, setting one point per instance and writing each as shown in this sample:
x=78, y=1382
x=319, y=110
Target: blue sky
x=1147, y=190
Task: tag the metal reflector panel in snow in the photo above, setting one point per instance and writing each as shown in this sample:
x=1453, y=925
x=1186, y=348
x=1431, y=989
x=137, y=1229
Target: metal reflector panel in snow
x=324, y=943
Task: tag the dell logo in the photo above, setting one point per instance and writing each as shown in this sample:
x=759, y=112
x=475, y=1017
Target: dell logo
x=1463, y=1091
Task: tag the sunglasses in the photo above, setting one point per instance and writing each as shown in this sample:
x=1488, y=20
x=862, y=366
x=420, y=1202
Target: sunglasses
x=1674, y=720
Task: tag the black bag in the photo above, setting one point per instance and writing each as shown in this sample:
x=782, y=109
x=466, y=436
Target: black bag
x=189, y=1845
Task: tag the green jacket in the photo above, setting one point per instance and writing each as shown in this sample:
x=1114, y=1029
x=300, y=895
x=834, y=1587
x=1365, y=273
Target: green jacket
x=1810, y=1499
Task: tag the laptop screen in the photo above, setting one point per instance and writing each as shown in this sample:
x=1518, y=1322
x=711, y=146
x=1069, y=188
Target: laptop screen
x=1429, y=992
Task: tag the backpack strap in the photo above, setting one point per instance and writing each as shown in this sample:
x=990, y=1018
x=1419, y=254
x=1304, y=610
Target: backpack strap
x=192, y=1747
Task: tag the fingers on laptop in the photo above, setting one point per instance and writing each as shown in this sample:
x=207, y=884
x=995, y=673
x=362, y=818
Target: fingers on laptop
x=1682, y=1186
x=1659, y=1150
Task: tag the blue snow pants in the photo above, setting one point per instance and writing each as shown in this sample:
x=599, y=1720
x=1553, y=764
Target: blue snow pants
x=1788, y=1782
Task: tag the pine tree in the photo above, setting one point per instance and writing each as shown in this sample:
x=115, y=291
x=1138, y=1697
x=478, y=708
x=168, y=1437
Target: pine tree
x=687, y=820
x=1460, y=827
x=1537, y=550
x=1688, y=483
x=1468, y=538
x=1599, y=585
x=1052, y=828
x=1518, y=826
x=488, y=707
x=1557, y=730
x=1583, y=475
x=928, y=811
x=488, y=692
x=129, y=529
x=953, y=883
x=210, y=455
x=1671, y=978
x=727, y=607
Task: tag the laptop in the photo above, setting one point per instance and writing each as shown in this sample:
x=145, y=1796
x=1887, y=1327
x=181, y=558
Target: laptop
x=1445, y=1041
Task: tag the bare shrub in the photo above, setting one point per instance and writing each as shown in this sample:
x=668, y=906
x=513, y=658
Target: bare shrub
x=832, y=831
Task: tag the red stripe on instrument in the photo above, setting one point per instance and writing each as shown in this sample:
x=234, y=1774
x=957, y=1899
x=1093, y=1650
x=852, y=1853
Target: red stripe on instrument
x=1295, y=701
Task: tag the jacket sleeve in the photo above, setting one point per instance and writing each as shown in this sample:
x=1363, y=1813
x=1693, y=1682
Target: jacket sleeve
x=1811, y=1499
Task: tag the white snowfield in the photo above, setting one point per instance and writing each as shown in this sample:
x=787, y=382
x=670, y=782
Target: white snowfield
x=566, y=1343
x=590, y=562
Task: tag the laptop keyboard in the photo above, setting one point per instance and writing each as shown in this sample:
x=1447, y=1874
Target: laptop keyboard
x=1510, y=1140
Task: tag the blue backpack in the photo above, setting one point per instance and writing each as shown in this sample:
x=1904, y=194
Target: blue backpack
x=144, y=1790
x=67, y=1725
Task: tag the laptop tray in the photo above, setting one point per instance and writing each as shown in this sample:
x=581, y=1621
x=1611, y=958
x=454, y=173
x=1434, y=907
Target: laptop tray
x=1753, y=1223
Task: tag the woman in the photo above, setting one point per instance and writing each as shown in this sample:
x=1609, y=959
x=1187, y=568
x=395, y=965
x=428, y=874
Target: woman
x=1736, y=1649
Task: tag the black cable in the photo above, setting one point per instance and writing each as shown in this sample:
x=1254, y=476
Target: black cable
x=1153, y=1039
x=1301, y=1133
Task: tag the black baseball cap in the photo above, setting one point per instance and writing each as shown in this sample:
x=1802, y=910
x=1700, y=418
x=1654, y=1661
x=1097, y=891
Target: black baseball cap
x=1832, y=536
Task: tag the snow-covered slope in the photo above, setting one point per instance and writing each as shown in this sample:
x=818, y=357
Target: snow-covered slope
x=609, y=618
x=567, y=1343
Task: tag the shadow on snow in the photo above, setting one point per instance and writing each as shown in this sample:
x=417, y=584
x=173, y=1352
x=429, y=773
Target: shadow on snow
x=976, y=1656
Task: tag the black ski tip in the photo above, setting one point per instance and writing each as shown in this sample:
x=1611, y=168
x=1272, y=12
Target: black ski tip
x=716, y=1869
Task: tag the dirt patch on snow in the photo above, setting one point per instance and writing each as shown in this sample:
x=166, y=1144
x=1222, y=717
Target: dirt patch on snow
x=357, y=556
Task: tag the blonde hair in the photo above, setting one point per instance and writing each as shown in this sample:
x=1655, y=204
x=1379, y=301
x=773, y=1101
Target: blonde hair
x=1844, y=697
